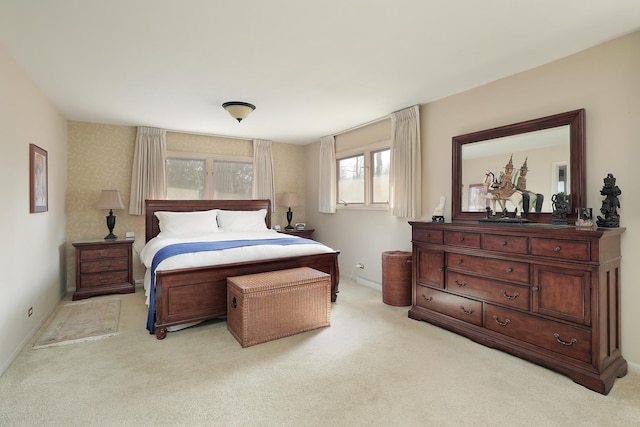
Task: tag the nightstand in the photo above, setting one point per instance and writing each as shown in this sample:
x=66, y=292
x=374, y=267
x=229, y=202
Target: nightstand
x=300, y=233
x=103, y=267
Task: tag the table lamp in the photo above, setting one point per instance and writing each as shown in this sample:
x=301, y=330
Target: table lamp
x=289, y=200
x=110, y=199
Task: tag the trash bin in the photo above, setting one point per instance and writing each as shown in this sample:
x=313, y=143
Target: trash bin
x=396, y=278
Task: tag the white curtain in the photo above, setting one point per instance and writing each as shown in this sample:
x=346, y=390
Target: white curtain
x=263, y=181
x=406, y=172
x=327, y=175
x=148, y=175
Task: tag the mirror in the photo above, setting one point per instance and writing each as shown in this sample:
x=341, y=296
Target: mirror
x=544, y=156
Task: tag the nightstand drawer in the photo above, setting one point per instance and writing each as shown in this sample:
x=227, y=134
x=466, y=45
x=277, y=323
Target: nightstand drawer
x=104, y=279
x=105, y=265
x=114, y=252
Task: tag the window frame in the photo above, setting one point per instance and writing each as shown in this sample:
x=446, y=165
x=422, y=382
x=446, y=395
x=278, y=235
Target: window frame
x=367, y=151
x=209, y=159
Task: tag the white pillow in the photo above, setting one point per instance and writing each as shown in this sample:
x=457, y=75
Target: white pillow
x=242, y=220
x=176, y=224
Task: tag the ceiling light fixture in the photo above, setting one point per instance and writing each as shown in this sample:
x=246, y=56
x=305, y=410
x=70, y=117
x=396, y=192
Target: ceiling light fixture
x=239, y=110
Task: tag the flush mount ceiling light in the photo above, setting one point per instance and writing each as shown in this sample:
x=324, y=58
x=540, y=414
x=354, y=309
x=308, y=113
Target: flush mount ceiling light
x=239, y=110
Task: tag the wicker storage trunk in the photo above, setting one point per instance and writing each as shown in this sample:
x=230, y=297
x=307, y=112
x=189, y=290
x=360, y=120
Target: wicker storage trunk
x=266, y=306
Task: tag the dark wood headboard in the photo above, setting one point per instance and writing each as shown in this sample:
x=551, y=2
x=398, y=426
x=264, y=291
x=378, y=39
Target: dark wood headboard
x=152, y=206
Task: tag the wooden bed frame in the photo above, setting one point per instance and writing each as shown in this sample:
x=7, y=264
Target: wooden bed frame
x=189, y=295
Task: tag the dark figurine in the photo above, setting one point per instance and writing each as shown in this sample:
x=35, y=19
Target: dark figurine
x=610, y=204
x=489, y=212
x=561, y=207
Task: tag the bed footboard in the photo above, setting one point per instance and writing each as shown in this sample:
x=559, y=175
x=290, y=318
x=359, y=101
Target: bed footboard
x=196, y=294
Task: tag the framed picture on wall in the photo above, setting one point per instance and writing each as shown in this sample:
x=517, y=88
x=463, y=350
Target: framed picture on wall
x=38, y=179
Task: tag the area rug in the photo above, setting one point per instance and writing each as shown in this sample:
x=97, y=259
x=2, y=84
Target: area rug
x=82, y=321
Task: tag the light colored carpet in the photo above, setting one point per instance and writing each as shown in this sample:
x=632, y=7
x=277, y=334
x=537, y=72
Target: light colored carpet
x=81, y=321
x=372, y=367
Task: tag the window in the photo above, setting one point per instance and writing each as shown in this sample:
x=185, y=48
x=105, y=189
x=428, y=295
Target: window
x=363, y=178
x=202, y=176
x=351, y=179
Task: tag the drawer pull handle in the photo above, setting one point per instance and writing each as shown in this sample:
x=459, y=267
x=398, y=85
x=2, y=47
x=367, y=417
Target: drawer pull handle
x=460, y=239
x=556, y=249
x=508, y=269
x=509, y=297
x=505, y=323
x=103, y=280
x=440, y=269
x=427, y=299
x=105, y=267
x=468, y=313
x=459, y=262
x=535, y=288
x=461, y=284
x=503, y=243
x=234, y=302
x=572, y=342
x=103, y=254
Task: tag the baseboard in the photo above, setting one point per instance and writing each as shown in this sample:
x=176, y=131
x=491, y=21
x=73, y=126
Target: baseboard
x=369, y=284
x=28, y=337
x=633, y=367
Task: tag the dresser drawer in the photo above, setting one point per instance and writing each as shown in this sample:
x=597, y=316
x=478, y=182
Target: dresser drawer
x=510, y=295
x=557, y=337
x=512, y=271
x=103, y=279
x=458, y=238
x=427, y=236
x=449, y=304
x=579, y=250
x=508, y=244
x=109, y=264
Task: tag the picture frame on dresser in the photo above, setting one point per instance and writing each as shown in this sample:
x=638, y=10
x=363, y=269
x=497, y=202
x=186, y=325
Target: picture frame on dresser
x=38, y=179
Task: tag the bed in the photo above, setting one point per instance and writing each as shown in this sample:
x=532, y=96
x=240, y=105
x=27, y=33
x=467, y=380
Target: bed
x=183, y=296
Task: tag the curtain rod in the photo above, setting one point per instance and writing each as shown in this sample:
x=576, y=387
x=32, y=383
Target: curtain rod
x=379, y=119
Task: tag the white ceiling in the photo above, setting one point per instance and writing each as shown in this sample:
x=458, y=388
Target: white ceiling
x=312, y=68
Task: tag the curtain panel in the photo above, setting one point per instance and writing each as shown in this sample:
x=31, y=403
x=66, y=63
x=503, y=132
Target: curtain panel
x=148, y=175
x=406, y=172
x=263, y=177
x=327, y=191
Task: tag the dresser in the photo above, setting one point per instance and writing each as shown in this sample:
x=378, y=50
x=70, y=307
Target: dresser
x=547, y=294
x=103, y=267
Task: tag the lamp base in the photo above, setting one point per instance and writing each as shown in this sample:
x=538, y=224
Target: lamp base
x=111, y=223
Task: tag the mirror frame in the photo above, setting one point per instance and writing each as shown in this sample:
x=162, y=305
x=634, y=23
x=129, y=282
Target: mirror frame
x=576, y=121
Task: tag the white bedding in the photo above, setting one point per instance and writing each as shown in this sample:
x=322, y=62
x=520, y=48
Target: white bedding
x=241, y=254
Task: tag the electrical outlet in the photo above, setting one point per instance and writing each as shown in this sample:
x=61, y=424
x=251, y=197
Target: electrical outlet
x=360, y=265
x=30, y=312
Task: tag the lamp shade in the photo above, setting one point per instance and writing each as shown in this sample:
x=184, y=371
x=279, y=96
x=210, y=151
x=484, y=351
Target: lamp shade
x=239, y=110
x=289, y=200
x=110, y=199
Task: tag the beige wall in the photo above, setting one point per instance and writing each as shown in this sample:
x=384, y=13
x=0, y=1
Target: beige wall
x=603, y=80
x=31, y=249
x=101, y=157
